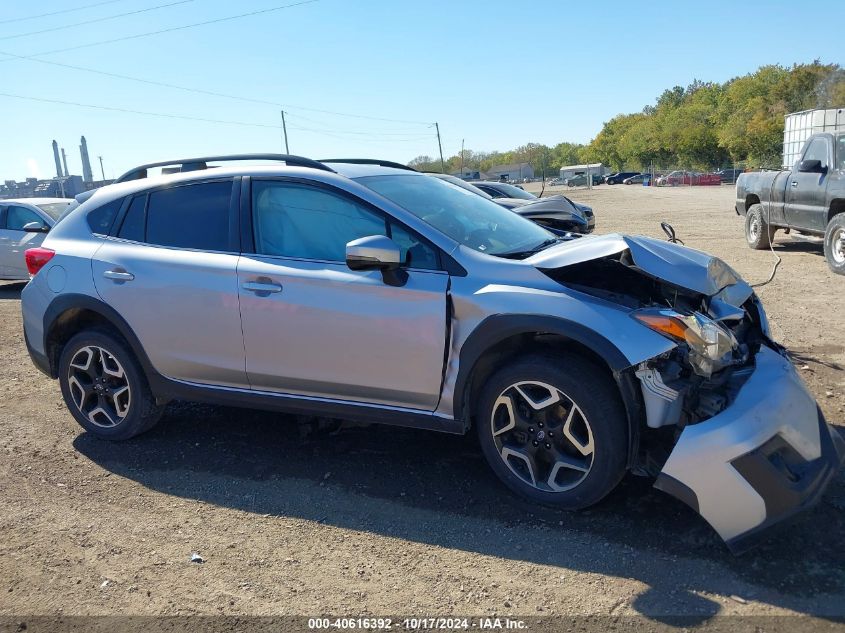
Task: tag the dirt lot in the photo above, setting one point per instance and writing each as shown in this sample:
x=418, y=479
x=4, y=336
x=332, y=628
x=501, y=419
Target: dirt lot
x=391, y=521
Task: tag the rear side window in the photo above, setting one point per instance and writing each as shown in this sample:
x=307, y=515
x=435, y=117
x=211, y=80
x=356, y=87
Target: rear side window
x=133, y=223
x=101, y=218
x=192, y=216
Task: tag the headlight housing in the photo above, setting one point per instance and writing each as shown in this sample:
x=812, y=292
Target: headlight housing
x=711, y=345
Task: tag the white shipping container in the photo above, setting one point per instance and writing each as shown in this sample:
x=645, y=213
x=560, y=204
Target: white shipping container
x=799, y=126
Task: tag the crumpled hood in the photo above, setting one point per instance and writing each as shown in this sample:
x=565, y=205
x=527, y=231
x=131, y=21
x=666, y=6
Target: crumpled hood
x=678, y=265
x=555, y=204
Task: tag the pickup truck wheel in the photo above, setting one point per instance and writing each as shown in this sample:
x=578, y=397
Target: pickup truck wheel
x=553, y=429
x=758, y=233
x=834, y=244
x=104, y=387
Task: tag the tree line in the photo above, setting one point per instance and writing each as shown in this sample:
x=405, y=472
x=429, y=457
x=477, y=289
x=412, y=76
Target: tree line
x=704, y=126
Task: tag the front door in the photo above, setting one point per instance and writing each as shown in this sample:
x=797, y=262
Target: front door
x=806, y=192
x=314, y=327
x=170, y=271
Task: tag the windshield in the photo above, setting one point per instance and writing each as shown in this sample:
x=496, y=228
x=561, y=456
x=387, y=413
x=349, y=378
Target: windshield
x=53, y=209
x=514, y=192
x=464, y=216
x=463, y=185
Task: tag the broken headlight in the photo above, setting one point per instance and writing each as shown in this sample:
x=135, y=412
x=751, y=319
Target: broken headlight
x=711, y=346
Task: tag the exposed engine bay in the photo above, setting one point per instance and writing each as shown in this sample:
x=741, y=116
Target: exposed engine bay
x=716, y=340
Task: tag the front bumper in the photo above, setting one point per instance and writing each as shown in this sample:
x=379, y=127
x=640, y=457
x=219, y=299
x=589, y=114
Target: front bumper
x=767, y=456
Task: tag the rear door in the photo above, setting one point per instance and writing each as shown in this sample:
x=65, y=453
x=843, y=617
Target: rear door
x=169, y=269
x=806, y=192
x=314, y=327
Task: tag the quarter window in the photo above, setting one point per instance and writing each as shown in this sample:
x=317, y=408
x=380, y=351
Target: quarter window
x=101, y=218
x=18, y=217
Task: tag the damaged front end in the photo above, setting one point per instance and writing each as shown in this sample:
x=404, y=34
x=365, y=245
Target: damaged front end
x=731, y=429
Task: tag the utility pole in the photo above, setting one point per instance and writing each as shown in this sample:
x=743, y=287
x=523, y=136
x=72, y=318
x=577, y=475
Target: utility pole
x=462, y=158
x=285, y=132
x=440, y=145
x=102, y=169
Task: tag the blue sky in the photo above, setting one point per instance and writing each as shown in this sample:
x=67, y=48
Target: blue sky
x=496, y=73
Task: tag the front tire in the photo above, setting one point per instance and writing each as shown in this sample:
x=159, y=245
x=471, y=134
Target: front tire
x=758, y=233
x=104, y=387
x=554, y=430
x=834, y=244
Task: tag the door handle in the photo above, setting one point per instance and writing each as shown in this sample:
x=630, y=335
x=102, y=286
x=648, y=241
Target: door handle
x=261, y=287
x=118, y=275
x=794, y=183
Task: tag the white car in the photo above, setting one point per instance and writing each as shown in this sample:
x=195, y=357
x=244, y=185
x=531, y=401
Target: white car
x=23, y=224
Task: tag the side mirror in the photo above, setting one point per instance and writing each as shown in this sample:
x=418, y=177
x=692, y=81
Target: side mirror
x=36, y=227
x=814, y=166
x=377, y=252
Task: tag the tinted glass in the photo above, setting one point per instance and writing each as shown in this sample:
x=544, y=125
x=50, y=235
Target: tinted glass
x=101, y=218
x=133, y=223
x=415, y=252
x=295, y=220
x=193, y=216
x=509, y=191
x=18, y=217
x=54, y=209
x=817, y=151
x=463, y=216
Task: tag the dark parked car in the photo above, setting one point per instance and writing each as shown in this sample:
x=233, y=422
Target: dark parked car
x=618, y=177
x=635, y=180
x=548, y=212
x=543, y=211
x=809, y=199
x=728, y=175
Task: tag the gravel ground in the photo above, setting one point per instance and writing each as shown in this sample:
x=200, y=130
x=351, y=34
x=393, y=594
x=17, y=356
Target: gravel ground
x=379, y=520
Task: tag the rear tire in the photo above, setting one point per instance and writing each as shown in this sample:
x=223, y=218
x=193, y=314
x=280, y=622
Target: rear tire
x=834, y=244
x=553, y=429
x=758, y=233
x=104, y=387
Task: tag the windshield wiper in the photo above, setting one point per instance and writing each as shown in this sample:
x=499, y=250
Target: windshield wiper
x=541, y=246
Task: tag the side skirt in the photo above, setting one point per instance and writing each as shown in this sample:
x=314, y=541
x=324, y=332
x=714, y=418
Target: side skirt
x=166, y=388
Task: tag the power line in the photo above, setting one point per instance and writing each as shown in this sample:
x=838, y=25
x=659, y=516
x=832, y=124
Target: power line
x=143, y=112
x=168, y=115
x=210, y=93
x=45, y=15
x=172, y=29
x=103, y=19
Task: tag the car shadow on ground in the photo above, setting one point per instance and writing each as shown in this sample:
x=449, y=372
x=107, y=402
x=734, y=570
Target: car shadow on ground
x=11, y=290
x=794, y=245
x=390, y=481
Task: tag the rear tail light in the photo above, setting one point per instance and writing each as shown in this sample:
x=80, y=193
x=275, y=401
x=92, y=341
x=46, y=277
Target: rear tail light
x=37, y=258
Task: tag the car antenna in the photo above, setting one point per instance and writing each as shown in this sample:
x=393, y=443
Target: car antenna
x=670, y=233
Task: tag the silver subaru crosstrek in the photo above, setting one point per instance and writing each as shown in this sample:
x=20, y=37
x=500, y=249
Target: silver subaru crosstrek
x=365, y=291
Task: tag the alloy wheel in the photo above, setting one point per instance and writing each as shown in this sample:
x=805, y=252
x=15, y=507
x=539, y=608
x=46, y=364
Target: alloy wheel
x=99, y=387
x=542, y=436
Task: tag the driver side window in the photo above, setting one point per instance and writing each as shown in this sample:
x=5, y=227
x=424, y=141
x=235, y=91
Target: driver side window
x=18, y=217
x=817, y=151
x=305, y=222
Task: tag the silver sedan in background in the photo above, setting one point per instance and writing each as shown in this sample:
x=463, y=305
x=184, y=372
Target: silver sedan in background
x=23, y=224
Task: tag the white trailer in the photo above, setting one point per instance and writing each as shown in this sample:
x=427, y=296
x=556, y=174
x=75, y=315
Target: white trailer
x=799, y=126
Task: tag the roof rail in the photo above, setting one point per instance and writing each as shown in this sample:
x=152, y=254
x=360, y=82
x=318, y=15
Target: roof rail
x=368, y=161
x=195, y=164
